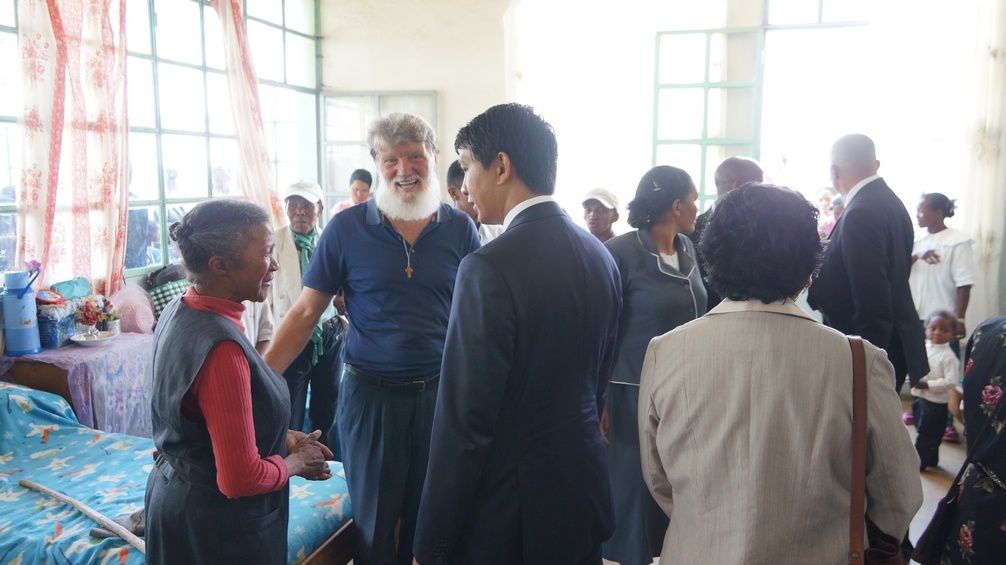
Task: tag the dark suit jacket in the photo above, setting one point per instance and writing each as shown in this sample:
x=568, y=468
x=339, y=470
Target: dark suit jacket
x=517, y=470
x=863, y=284
x=712, y=297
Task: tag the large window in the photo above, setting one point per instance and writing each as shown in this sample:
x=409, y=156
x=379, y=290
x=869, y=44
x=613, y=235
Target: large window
x=10, y=136
x=182, y=148
x=707, y=94
x=347, y=117
x=767, y=92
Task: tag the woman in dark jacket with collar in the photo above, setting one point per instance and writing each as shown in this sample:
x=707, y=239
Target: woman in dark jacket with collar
x=662, y=289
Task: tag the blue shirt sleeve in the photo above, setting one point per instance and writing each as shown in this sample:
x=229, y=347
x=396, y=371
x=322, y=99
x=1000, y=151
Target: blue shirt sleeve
x=326, y=270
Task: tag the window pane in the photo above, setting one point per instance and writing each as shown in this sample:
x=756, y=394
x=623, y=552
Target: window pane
x=10, y=80
x=731, y=113
x=10, y=161
x=177, y=31
x=845, y=10
x=174, y=214
x=271, y=10
x=138, y=26
x=300, y=15
x=221, y=115
x=143, y=167
x=300, y=61
x=340, y=162
x=716, y=154
x=348, y=117
x=422, y=105
x=214, y=37
x=141, y=92
x=792, y=11
x=224, y=161
x=679, y=113
x=685, y=156
x=682, y=58
x=8, y=241
x=181, y=90
x=7, y=13
x=184, y=166
x=733, y=57
x=267, y=50
x=143, y=237
x=296, y=139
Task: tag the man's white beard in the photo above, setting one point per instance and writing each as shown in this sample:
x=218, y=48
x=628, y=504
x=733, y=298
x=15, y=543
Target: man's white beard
x=422, y=206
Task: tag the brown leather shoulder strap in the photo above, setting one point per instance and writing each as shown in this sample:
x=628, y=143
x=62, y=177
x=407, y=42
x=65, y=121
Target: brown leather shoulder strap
x=857, y=511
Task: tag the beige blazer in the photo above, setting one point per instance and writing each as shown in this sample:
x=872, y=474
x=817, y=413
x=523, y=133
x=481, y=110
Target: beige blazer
x=745, y=425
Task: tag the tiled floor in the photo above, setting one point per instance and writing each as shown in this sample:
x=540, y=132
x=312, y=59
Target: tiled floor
x=935, y=483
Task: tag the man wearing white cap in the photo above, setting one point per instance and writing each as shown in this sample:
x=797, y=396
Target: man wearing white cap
x=318, y=364
x=600, y=211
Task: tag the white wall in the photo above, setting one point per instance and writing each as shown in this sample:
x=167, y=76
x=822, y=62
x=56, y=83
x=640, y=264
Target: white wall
x=453, y=48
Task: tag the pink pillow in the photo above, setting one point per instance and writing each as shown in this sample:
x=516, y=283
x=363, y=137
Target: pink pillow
x=135, y=308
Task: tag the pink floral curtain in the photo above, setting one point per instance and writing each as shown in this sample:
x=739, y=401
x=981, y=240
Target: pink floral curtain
x=256, y=177
x=72, y=205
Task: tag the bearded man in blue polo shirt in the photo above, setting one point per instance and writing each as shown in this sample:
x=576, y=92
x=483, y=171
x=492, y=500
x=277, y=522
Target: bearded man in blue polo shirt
x=396, y=257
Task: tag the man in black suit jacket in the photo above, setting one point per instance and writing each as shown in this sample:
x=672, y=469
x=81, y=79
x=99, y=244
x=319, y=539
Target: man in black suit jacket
x=862, y=287
x=517, y=471
x=730, y=174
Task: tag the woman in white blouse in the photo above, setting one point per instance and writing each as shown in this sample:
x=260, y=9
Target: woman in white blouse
x=745, y=414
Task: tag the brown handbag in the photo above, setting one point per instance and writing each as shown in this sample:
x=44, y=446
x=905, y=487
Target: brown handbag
x=884, y=549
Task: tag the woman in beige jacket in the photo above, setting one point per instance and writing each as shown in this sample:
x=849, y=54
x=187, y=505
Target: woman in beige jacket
x=745, y=414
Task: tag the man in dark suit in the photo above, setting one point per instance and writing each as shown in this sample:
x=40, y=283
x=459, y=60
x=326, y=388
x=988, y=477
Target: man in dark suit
x=517, y=471
x=730, y=174
x=862, y=287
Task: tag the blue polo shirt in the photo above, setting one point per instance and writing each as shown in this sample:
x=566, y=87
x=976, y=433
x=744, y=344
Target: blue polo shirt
x=397, y=324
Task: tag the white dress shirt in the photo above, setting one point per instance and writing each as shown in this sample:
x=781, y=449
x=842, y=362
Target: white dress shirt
x=524, y=206
x=855, y=189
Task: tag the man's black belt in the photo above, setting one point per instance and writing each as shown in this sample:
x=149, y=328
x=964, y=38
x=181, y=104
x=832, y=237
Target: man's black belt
x=415, y=385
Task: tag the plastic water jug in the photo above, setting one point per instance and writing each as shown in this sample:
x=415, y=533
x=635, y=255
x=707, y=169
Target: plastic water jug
x=20, y=320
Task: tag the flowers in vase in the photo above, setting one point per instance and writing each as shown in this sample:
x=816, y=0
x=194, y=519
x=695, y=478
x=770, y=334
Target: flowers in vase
x=88, y=313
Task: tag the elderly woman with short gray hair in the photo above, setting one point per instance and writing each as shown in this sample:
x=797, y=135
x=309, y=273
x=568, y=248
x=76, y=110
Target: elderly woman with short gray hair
x=218, y=492
x=745, y=415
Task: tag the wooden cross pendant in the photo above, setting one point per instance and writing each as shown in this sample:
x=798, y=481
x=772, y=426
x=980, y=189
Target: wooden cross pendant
x=408, y=271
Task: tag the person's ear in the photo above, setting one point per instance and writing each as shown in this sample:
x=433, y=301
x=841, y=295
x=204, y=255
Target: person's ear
x=453, y=192
x=615, y=217
x=218, y=265
x=503, y=167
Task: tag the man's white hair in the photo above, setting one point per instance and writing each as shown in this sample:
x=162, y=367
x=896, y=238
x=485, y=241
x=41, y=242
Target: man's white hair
x=855, y=153
x=397, y=128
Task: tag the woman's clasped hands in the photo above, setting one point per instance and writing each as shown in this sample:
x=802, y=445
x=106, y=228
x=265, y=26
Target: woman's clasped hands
x=307, y=456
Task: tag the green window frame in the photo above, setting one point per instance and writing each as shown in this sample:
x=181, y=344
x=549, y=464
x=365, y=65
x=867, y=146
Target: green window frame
x=175, y=141
x=676, y=133
x=10, y=135
x=707, y=146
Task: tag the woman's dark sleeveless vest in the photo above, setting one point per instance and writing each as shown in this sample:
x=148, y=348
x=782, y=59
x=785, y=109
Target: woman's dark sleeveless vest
x=188, y=519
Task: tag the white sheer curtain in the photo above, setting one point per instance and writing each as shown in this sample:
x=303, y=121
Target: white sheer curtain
x=255, y=175
x=986, y=182
x=72, y=206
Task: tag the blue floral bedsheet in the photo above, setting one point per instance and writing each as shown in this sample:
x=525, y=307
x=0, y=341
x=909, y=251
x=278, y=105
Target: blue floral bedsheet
x=41, y=440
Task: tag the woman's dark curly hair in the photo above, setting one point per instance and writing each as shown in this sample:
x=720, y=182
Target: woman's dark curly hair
x=656, y=193
x=940, y=203
x=214, y=228
x=761, y=243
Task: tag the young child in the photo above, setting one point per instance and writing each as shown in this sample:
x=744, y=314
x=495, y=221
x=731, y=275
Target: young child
x=932, y=392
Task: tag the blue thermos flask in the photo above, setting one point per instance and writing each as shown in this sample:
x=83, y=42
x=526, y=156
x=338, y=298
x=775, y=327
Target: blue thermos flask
x=20, y=320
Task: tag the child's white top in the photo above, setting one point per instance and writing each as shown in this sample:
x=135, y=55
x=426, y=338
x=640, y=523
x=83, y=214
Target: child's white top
x=943, y=371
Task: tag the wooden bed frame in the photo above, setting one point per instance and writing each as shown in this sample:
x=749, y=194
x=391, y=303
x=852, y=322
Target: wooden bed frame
x=337, y=550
